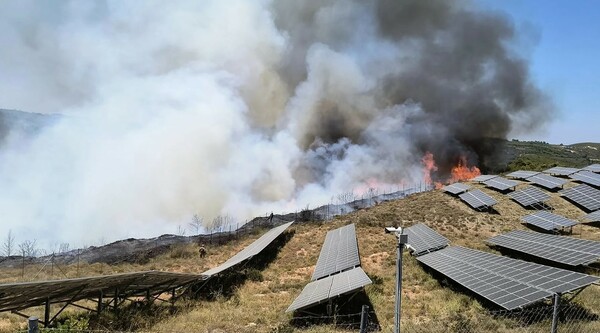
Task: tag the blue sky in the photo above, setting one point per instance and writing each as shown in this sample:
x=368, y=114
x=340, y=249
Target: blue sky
x=565, y=61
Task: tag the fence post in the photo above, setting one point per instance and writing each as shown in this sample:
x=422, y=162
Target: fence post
x=364, y=319
x=555, y=313
x=32, y=325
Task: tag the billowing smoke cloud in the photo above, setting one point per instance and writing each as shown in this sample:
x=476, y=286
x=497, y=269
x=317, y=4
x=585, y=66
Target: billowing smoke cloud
x=241, y=107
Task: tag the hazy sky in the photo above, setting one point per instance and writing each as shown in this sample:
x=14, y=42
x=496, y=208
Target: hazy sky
x=565, y=61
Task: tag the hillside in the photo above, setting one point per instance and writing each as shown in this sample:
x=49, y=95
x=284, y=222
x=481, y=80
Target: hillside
x=535, y=155
x=258, y=303
x=23, y=123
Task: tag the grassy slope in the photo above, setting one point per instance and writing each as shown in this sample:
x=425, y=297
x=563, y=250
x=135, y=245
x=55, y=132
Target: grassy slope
x=258, y=306
x=539, y=155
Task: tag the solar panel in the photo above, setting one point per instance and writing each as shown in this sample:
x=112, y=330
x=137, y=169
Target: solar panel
x=477, y=199
x=456, y=188
x=483, y=178
x=529, y=196
x=17, y=296
x=584, y=195
x=593, y=168
x=251, y=250
x=593, y=217
x=321, y=290
x=521, y=174
x=562, y=171
x=547, y=181
x=339, y=252
x=561, y=249
x=548, y=221
x=507, y=282
x=501, y=184
x=587, y=177
x=422, y=239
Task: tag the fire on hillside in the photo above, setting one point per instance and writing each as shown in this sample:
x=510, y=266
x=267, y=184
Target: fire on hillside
x=460, y=172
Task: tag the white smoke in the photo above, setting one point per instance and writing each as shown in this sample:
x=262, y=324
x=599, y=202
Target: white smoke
x=208, y=107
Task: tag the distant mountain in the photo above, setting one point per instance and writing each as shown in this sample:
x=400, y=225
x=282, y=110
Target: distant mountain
x=23, y=123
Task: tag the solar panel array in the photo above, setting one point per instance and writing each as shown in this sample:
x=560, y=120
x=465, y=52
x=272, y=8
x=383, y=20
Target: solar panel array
x=335, y=285
x=593, y=217
x=522, y=174
x=593, y=168
x=501, y=183
x=456, y=188
x=422, y=239
x=529, y=196
x=483, y=178
x=584, y=195
x=507, y=282
x=251, y=250
x=339, y=252
x=561, y=249
x=587, y=177
x=337, y=271
x=17, y=296
x=548, y=221
x=561, y=171
x=547, y=181
x=477, y=199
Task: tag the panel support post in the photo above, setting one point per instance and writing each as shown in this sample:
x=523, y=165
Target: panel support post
x=100, y=301
x=402, y=239
x=47, y=313
x=364, y=319
x=555, y=313
x=116, y=300
x=32, y=325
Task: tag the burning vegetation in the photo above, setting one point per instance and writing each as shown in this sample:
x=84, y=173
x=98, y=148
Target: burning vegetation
x=460, y=172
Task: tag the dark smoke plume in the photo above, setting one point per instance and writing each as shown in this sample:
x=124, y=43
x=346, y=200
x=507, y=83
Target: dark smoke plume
x=454, y=61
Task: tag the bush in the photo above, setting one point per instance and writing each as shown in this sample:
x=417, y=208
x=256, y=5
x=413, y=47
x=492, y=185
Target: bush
x=181, y=251
x=255, y=275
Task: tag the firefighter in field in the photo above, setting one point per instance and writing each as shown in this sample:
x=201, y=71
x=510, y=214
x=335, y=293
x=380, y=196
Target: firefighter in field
x=202, y=251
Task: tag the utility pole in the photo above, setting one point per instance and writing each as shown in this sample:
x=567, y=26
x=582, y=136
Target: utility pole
x=402, y=240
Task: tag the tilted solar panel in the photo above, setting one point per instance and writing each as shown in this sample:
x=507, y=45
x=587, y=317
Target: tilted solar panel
x=593, y=168
x=593, y=217
x=321, y=290
x=561, y=171
x=584, y=195
x=251, y=250
x=339, y=252
x=483, y=178
x=477, y=199
x=587, y=177
x=547, y=181
x=422, y=239
x=501, y=183
x=17, y=296
x=561, y=249
x=548, y=221
x=529, y=196
x=456, y=188
x=522, y=174
x=509, y=283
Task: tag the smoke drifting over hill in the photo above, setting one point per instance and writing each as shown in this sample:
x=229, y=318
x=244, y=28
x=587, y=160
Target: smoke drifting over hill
x=242, y=107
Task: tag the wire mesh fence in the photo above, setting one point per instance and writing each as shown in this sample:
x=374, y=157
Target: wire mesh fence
x=571, y=318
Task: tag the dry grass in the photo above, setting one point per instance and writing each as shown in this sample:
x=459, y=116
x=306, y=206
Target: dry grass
x=259, y=306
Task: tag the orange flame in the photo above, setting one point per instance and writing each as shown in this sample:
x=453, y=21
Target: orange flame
x=458, y=173
x=428, y=167
x=463, y=172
